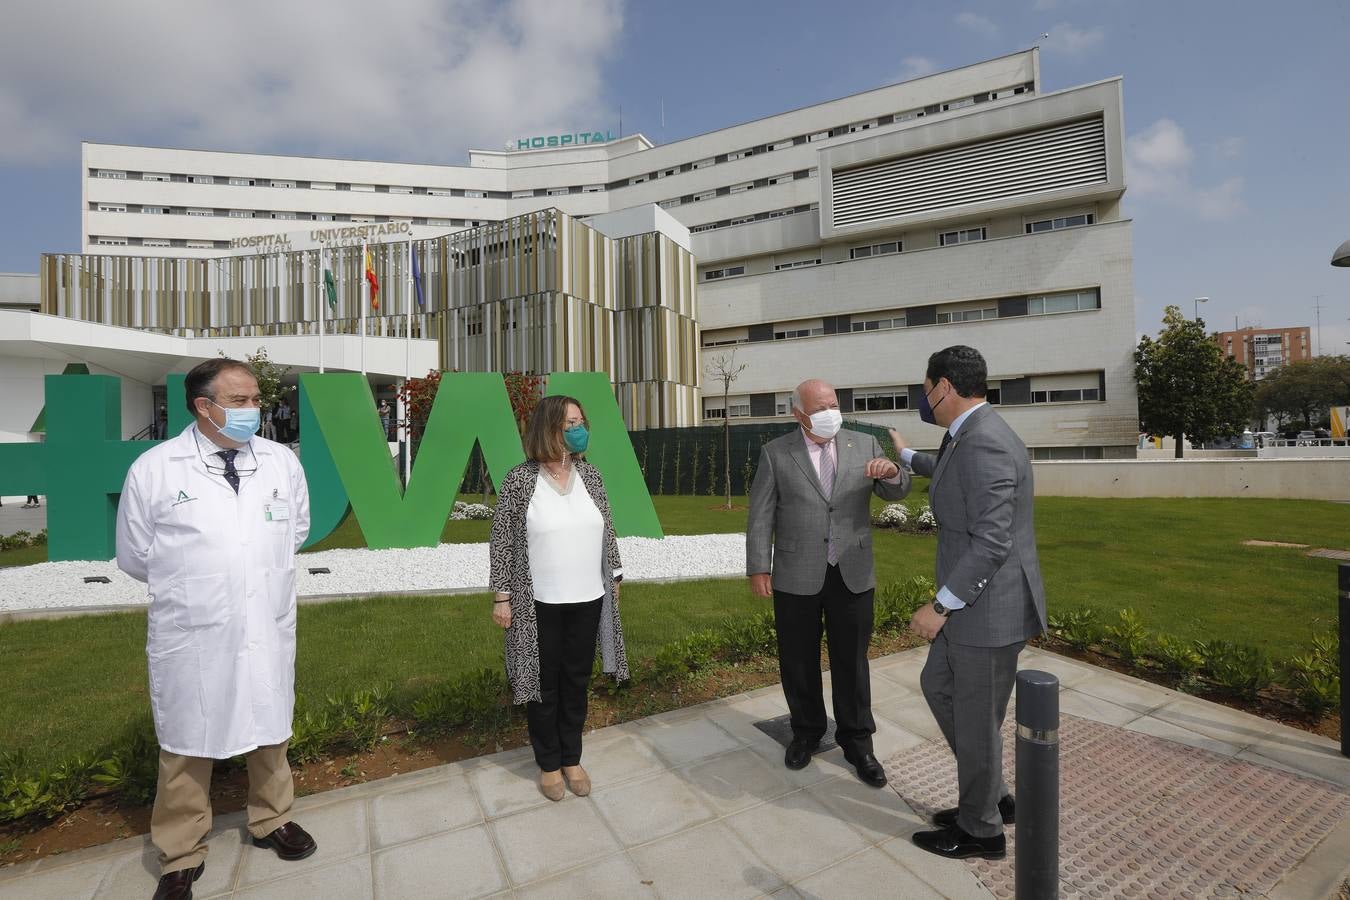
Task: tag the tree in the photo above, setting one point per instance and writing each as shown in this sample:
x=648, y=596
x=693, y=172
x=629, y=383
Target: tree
x=269, y=376
x=724, y=369
x=1187, y=386
x=1304, y=391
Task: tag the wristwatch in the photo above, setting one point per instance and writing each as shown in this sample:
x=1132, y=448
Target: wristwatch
x=940, y=609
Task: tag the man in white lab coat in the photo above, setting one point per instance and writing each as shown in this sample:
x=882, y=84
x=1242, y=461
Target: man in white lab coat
x=211, y=520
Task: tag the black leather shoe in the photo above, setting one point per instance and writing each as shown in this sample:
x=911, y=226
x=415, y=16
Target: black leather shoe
x=799, y=753
x=868, y=769
x=1007, y=808
x=953, y=843
x=290, y=841
x=178, y=885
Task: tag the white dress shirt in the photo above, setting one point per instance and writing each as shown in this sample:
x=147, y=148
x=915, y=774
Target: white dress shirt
x=944, y=596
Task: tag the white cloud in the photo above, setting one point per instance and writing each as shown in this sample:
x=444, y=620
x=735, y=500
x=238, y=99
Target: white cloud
x=1072, y=41
x=1158, y=166
x=419, y=81
x=916, y=67
x=977, y=23
x=1230, y=147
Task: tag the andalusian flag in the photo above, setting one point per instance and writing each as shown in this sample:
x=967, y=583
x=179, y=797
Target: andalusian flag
x=417, y=277
x=330, y=288
x=374, y=282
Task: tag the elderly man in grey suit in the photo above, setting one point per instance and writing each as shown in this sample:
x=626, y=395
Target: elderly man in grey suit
x=990, y=598
x=809, y=546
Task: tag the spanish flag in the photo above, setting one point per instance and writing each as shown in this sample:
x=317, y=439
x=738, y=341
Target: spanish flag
x=374, y=282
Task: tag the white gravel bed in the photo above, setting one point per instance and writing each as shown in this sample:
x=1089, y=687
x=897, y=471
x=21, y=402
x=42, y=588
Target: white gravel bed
x=57, y=585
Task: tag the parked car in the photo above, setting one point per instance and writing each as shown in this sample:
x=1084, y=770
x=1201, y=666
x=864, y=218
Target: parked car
x=1306, y=439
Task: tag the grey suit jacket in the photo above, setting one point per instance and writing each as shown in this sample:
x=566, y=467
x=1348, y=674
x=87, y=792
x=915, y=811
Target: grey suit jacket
x=981, y=494
x=790, y=516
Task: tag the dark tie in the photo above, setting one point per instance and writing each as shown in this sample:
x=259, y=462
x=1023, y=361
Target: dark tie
x=946, y=442
x=231, y=473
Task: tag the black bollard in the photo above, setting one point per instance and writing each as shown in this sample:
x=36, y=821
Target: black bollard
x=1037, y=863
x=1344, y=616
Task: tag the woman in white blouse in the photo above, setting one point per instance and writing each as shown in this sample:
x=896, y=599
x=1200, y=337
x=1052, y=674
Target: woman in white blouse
x=555, y=574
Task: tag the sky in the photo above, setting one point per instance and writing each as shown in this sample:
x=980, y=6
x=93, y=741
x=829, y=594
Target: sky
x=1237, y=114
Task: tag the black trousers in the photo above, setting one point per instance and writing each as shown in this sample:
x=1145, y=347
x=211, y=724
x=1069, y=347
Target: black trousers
x=847, y=619
x=567, y=634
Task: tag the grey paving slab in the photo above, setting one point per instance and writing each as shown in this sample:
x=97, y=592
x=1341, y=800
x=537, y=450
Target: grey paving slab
x=1135, y=695
x=912, y=714
x=796, y=835
x=1177, y=734
x=890, y=737
x=615, y=877
x=821, y=767
x=348, y=879
x=878, y=814
x=870, y=874
x=950, y=878
x=685, y=741
x=737, y=780
x=423, y=809
x=134, y=875
x=504, y=789
x=1086, y=706
x=459, y=863
x=340, y=830
x=707, y=861
x=77, y=882
x=648, y=808
x=884, y=688
x=739, y=717
x=1228, y=725
x=551, y=839
x=1304, y=757
x=619, y=755
x=903, y=669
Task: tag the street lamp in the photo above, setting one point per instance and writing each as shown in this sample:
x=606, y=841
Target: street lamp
x=1342, y=255
x=1198, y=301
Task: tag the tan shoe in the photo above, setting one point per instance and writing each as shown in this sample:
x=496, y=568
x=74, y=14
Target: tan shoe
x=580, y=783
x=553, y=790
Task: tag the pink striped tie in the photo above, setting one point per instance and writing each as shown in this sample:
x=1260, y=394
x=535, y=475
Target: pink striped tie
x=827, y=485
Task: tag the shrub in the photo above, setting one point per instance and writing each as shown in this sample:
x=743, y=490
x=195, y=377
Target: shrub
x=1076, y=627
x=744, y=638
x=897, y=602
x=1178, y=659
x=1235, y=669
x=477, y=701
x=472, y=511
x=926, y=521
x=359, y=717
x=893, y=515
x=1128, y=637
x=27, y=791
x=1314, y=677
x=312, y=734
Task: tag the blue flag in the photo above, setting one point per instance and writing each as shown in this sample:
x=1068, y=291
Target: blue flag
x=417, y=281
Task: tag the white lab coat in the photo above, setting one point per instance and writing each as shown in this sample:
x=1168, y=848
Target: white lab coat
x=221, y=635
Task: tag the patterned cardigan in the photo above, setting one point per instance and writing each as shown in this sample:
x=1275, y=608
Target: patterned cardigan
x=509, y=553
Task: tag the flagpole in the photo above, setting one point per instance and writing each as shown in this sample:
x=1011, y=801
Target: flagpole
x=322, y=284
x=407, y=365
x=365, y=300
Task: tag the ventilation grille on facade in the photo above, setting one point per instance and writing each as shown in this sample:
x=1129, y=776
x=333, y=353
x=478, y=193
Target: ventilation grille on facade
x=1050, y=159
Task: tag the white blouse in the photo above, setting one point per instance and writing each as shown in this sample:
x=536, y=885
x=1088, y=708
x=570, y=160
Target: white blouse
x=566, y=535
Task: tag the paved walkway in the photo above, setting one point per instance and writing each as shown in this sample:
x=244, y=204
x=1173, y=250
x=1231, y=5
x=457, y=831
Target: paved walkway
x=694, y=803
x=13, y=517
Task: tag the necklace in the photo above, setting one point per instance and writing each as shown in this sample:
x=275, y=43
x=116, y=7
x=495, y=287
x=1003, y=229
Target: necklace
x=561, y=475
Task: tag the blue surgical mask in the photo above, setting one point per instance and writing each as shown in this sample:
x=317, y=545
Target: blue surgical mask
x=926, y=411
x=240, y=424
x=577, y=438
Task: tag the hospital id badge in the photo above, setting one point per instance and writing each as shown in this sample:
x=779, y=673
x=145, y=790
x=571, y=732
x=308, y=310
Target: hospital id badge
x=276, y=512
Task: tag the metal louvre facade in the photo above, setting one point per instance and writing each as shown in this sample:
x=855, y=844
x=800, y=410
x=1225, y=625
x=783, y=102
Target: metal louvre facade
x=1020, y=165
x=536, y=293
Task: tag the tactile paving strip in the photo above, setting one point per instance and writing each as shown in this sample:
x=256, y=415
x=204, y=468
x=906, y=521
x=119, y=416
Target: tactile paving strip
x=1144, y=817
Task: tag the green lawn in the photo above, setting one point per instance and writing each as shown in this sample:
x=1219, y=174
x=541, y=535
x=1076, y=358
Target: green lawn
x=71, y=684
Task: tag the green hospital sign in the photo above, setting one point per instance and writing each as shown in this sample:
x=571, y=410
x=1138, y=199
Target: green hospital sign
x=83, y=461
x=553, y=141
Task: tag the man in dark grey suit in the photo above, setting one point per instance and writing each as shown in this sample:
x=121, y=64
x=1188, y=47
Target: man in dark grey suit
x=808, y=544
x=990, y=597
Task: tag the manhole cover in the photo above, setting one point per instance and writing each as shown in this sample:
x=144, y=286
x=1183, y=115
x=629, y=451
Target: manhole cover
x=780, y=729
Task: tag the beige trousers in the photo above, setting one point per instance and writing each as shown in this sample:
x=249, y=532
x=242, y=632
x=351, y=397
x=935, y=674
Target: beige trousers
x=182, y=816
